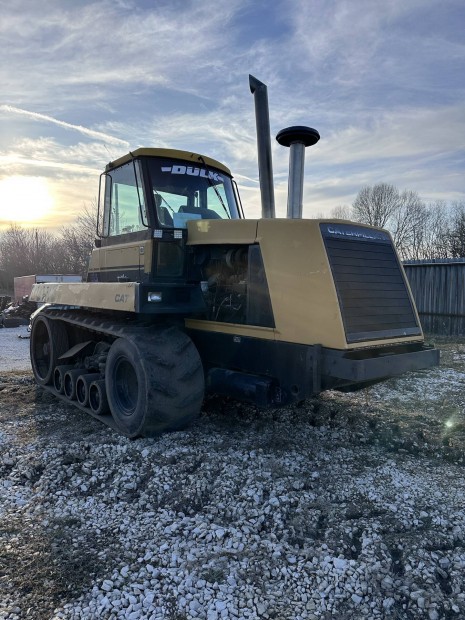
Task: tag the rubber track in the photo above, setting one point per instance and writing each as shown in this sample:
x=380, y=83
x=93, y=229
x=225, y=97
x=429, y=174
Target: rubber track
x=87, y=320
x=183, y=393
x=107, y=419
x=116, y=329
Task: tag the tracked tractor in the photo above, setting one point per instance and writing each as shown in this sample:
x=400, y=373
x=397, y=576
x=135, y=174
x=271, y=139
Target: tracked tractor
x=184, y=296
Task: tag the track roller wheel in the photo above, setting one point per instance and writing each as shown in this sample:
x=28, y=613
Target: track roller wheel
x=49, y=340
x=70, y=380
x=83, y=383
x=154, y=384
x=98, y=401
x=59, y=377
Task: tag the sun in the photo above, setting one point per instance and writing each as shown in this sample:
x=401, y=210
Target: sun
x=24, y=199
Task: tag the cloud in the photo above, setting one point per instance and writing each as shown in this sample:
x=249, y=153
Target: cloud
x=91, y=51
x=15, y=164
x=84, y=130
x=383, y=84
x=399, y=134
x=51, y=159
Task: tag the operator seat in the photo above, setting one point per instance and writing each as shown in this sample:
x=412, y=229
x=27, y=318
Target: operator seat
x=205, y=214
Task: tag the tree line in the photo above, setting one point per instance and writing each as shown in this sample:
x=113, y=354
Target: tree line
x=28, y=251
x=420, y=231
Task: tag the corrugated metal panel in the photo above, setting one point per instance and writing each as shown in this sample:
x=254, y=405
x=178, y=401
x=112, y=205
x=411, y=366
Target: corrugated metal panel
x=438, y=286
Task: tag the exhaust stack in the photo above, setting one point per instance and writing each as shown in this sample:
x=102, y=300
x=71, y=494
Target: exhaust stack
x=265, y=164
x=297, y=138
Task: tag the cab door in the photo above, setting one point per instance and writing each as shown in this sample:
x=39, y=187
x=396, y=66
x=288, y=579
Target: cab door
x=125, y=252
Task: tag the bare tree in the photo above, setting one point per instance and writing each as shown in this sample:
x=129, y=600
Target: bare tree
x=27, y=251
x=30, y=251
x=408, y=224
x=456, y=241
x=376, y=205
x=436, y=234
x=342, y=212
x=78, y=239
x=419, y=230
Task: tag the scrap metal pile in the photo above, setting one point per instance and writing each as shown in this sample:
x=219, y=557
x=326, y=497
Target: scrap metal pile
x=14, y=315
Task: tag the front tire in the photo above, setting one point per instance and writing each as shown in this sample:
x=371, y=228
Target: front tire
x=154, y=384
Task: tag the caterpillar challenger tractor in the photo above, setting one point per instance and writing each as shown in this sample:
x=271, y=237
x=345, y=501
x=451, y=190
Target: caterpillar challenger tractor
x=184, y=296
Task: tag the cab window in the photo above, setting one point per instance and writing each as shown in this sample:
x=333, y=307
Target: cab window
x=186, y=191
x=125, y=210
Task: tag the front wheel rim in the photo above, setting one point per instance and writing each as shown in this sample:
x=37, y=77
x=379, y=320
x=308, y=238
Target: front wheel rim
x=126, y=386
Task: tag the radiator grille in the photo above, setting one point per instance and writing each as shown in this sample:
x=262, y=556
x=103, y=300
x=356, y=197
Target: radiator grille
x=373, y=296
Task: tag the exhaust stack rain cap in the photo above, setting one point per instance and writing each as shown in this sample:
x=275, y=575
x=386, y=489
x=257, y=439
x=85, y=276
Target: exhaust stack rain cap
x=297, y=138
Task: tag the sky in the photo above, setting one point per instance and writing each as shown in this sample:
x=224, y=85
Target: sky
x=83, y=82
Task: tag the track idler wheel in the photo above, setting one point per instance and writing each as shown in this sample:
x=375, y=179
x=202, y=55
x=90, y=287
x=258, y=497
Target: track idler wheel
x=49, y=340
x=154, y=384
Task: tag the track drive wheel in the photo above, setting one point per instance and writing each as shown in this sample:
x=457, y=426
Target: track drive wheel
x=154, y=384
x=49, y=340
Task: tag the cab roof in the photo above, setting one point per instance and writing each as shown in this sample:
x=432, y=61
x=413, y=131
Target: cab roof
x=172, y=153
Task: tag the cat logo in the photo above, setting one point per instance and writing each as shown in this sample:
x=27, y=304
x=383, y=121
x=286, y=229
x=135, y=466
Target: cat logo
x=193, y=172
x=121, y=298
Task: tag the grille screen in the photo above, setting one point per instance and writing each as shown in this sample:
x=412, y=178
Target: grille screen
x=372, y=292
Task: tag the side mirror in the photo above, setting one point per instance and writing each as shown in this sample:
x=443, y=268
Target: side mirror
x=98, y=243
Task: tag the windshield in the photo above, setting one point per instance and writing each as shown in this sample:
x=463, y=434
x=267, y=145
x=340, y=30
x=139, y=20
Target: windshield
x=185, y=191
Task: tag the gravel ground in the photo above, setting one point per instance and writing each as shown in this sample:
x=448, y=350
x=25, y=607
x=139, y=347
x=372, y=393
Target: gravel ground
x=348, y=506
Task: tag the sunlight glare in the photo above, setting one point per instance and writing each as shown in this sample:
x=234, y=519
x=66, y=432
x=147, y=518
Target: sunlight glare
x=24, y=199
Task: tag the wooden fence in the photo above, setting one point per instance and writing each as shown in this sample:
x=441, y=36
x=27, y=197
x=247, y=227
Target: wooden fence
x=438, y=286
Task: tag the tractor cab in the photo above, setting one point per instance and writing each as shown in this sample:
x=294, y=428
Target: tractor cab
x=146, y=199
x=185, y=191
x=164, y=189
